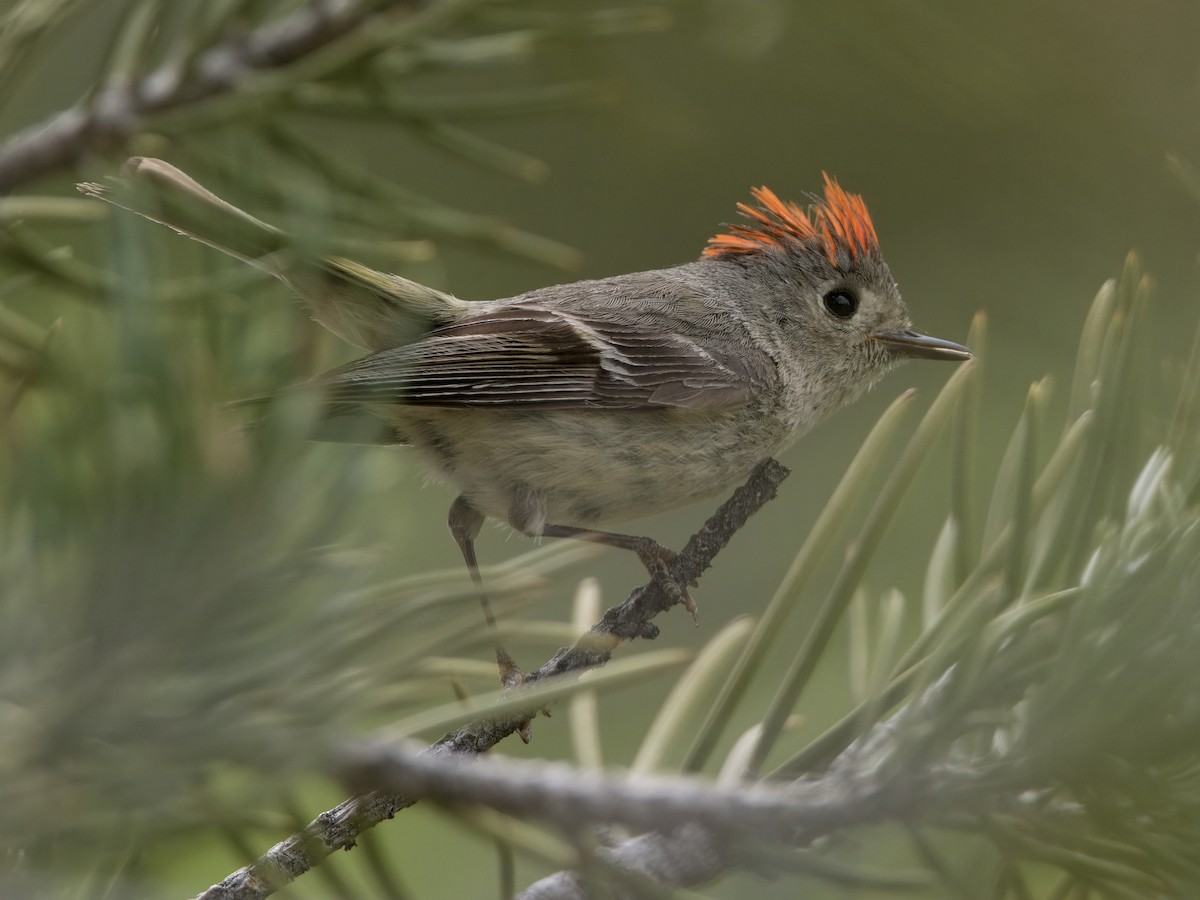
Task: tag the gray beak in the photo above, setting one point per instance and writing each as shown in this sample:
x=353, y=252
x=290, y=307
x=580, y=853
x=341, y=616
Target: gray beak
x=914, y=345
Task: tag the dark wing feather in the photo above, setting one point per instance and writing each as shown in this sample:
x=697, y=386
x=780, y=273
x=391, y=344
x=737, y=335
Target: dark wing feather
x=525, y=355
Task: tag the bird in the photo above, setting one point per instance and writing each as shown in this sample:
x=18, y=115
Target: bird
x=573, y=406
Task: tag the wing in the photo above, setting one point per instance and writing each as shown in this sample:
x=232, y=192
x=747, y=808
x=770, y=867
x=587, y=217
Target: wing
x=523, y=354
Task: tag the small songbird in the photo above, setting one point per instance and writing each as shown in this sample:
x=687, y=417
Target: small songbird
x=576, y=405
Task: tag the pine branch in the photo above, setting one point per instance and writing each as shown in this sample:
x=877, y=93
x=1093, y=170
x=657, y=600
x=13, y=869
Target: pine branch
x=695, y=830
x=117, y=111
x=564, y=796
x=338, y=828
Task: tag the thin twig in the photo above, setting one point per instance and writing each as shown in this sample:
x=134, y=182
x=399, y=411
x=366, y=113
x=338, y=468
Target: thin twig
x=632, y=618
x=338, y=828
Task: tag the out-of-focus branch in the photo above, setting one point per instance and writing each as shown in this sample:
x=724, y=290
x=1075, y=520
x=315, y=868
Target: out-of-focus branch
x=688, y=855
x=696, y=830
x=563, y=795
x=117, y=110
x=338, y=828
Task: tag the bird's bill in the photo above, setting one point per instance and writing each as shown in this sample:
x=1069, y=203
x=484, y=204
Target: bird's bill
x=914, y=345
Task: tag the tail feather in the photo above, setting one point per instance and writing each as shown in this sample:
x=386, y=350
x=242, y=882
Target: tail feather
x=337, y=423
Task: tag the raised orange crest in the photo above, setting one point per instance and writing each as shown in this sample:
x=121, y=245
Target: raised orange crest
x=840, y=222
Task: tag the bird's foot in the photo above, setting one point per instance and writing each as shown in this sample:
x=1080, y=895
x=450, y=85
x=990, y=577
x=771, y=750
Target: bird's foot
x=511, y=675
x=657, y=559
x=511, y=678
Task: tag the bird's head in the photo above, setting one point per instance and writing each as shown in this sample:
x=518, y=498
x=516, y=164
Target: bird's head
x=829, y=286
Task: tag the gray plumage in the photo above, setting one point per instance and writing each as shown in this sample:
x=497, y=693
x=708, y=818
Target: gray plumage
x=580, y=404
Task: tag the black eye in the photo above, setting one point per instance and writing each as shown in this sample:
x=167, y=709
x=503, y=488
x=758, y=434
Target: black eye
x=842, y=304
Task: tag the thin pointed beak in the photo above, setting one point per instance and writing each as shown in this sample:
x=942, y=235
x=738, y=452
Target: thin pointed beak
x=914, y=345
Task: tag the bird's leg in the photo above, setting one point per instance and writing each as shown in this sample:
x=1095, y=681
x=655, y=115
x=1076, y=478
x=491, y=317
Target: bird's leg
x=654, y=556
x=465, y=521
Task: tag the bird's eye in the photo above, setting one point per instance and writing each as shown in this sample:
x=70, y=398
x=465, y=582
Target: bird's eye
x=842, y=304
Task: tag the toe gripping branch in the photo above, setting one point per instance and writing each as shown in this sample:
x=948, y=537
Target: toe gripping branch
x=632, y=618
x=629, y=620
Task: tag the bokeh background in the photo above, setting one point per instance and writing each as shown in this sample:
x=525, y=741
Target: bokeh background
x=1011, y=155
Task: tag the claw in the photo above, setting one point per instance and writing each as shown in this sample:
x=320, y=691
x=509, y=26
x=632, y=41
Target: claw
x=510, y=673
x=657, y=559
x=654, y=556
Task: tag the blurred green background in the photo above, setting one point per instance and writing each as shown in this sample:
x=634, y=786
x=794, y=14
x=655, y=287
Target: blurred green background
x=1011, y=155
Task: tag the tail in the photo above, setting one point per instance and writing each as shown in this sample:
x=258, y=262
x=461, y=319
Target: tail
x=361, y=305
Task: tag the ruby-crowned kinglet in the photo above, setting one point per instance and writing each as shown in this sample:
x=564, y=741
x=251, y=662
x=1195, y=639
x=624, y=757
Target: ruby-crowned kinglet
x=575, y=405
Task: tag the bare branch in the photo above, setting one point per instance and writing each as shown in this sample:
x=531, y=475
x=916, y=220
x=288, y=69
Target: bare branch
x=338, y=828
x=116, y=112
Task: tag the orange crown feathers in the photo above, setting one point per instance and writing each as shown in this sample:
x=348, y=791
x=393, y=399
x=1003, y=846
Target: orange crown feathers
x=840, y=222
